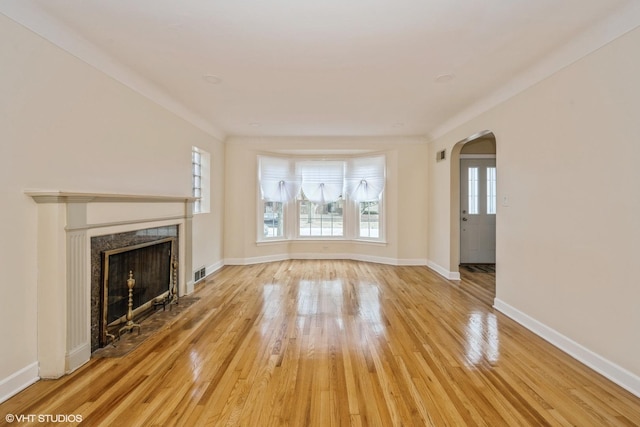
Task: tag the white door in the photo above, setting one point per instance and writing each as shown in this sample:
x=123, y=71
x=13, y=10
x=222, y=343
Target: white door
x=478, y=211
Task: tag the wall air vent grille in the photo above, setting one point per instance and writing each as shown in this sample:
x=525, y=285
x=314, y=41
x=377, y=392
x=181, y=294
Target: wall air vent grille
x=199, y=274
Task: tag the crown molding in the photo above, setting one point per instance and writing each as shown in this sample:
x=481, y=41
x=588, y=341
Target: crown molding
x=38, y=21
x=615, y=25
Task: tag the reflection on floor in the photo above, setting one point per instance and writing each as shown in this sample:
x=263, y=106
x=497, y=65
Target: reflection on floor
x=150, y=324
x=478, y=268
x=479, y=281
x=336, y=342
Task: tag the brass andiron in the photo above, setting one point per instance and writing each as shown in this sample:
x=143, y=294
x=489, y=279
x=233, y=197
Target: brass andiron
x=130, y=325
x=112, y=338
x=173, y=299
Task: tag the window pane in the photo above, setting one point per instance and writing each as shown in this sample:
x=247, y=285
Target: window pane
x=199, y=179
x=473, y=191
x=369, y=219
x=195, y=175
x=272, y=218
x=321, y=219
x=491, y=190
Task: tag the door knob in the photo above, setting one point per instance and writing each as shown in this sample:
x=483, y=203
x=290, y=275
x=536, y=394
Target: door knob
x=464, y=219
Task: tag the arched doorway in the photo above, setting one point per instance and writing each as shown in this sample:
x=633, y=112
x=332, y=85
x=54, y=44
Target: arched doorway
x=474, y=213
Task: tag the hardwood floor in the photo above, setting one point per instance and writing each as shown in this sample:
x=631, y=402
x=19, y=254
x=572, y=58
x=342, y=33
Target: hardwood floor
x=327, y=343
x=478, y=281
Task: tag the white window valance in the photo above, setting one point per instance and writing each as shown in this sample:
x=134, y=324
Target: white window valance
x=278, y=180
x=322, y=181
x=365, y=178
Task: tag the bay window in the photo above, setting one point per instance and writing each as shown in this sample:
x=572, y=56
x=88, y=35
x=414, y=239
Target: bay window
x=322, y=199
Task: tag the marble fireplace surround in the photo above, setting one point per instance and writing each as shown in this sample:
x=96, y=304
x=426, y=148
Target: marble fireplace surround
x=66, y=223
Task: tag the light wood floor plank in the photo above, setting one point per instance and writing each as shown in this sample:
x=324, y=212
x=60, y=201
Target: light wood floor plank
x=336, y=343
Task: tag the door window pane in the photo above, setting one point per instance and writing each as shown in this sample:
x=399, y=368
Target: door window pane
x=473, y=191
x=491, y=190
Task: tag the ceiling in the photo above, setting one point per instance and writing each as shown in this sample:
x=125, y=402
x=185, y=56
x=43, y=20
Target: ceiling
x=318, y=68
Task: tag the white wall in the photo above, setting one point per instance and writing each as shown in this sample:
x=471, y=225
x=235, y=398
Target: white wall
x=66, y=126
x=405, y=200
x=568, y=241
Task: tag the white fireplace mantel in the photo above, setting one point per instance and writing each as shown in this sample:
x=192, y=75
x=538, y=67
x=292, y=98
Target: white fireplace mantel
x=44, y=196
x=66, y=223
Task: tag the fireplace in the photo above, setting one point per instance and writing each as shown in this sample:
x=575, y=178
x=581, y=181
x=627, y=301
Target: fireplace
x=74, y=229
x=148, y=254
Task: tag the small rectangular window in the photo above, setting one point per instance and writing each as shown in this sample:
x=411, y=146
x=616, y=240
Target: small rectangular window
x=491, y=190
x=200, y=163
x=369, y=219
x=473, y=191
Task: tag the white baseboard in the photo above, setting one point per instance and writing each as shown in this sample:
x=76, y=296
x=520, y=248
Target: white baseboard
x=320, y=255
x=313, y=255
x=214, y=267
x=422, y=262
x=256, y=260
x=345, y=256
x=18, y=381
x=190, y=287
x=450, y=275
x=78, y=357
x=610, y=370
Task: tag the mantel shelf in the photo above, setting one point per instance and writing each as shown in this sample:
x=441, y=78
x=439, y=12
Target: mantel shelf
x=43, y=196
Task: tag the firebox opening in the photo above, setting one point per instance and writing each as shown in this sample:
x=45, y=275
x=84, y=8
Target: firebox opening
x=150, y=264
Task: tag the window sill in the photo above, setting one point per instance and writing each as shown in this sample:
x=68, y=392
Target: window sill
x=271, y=241
x=371, y=242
